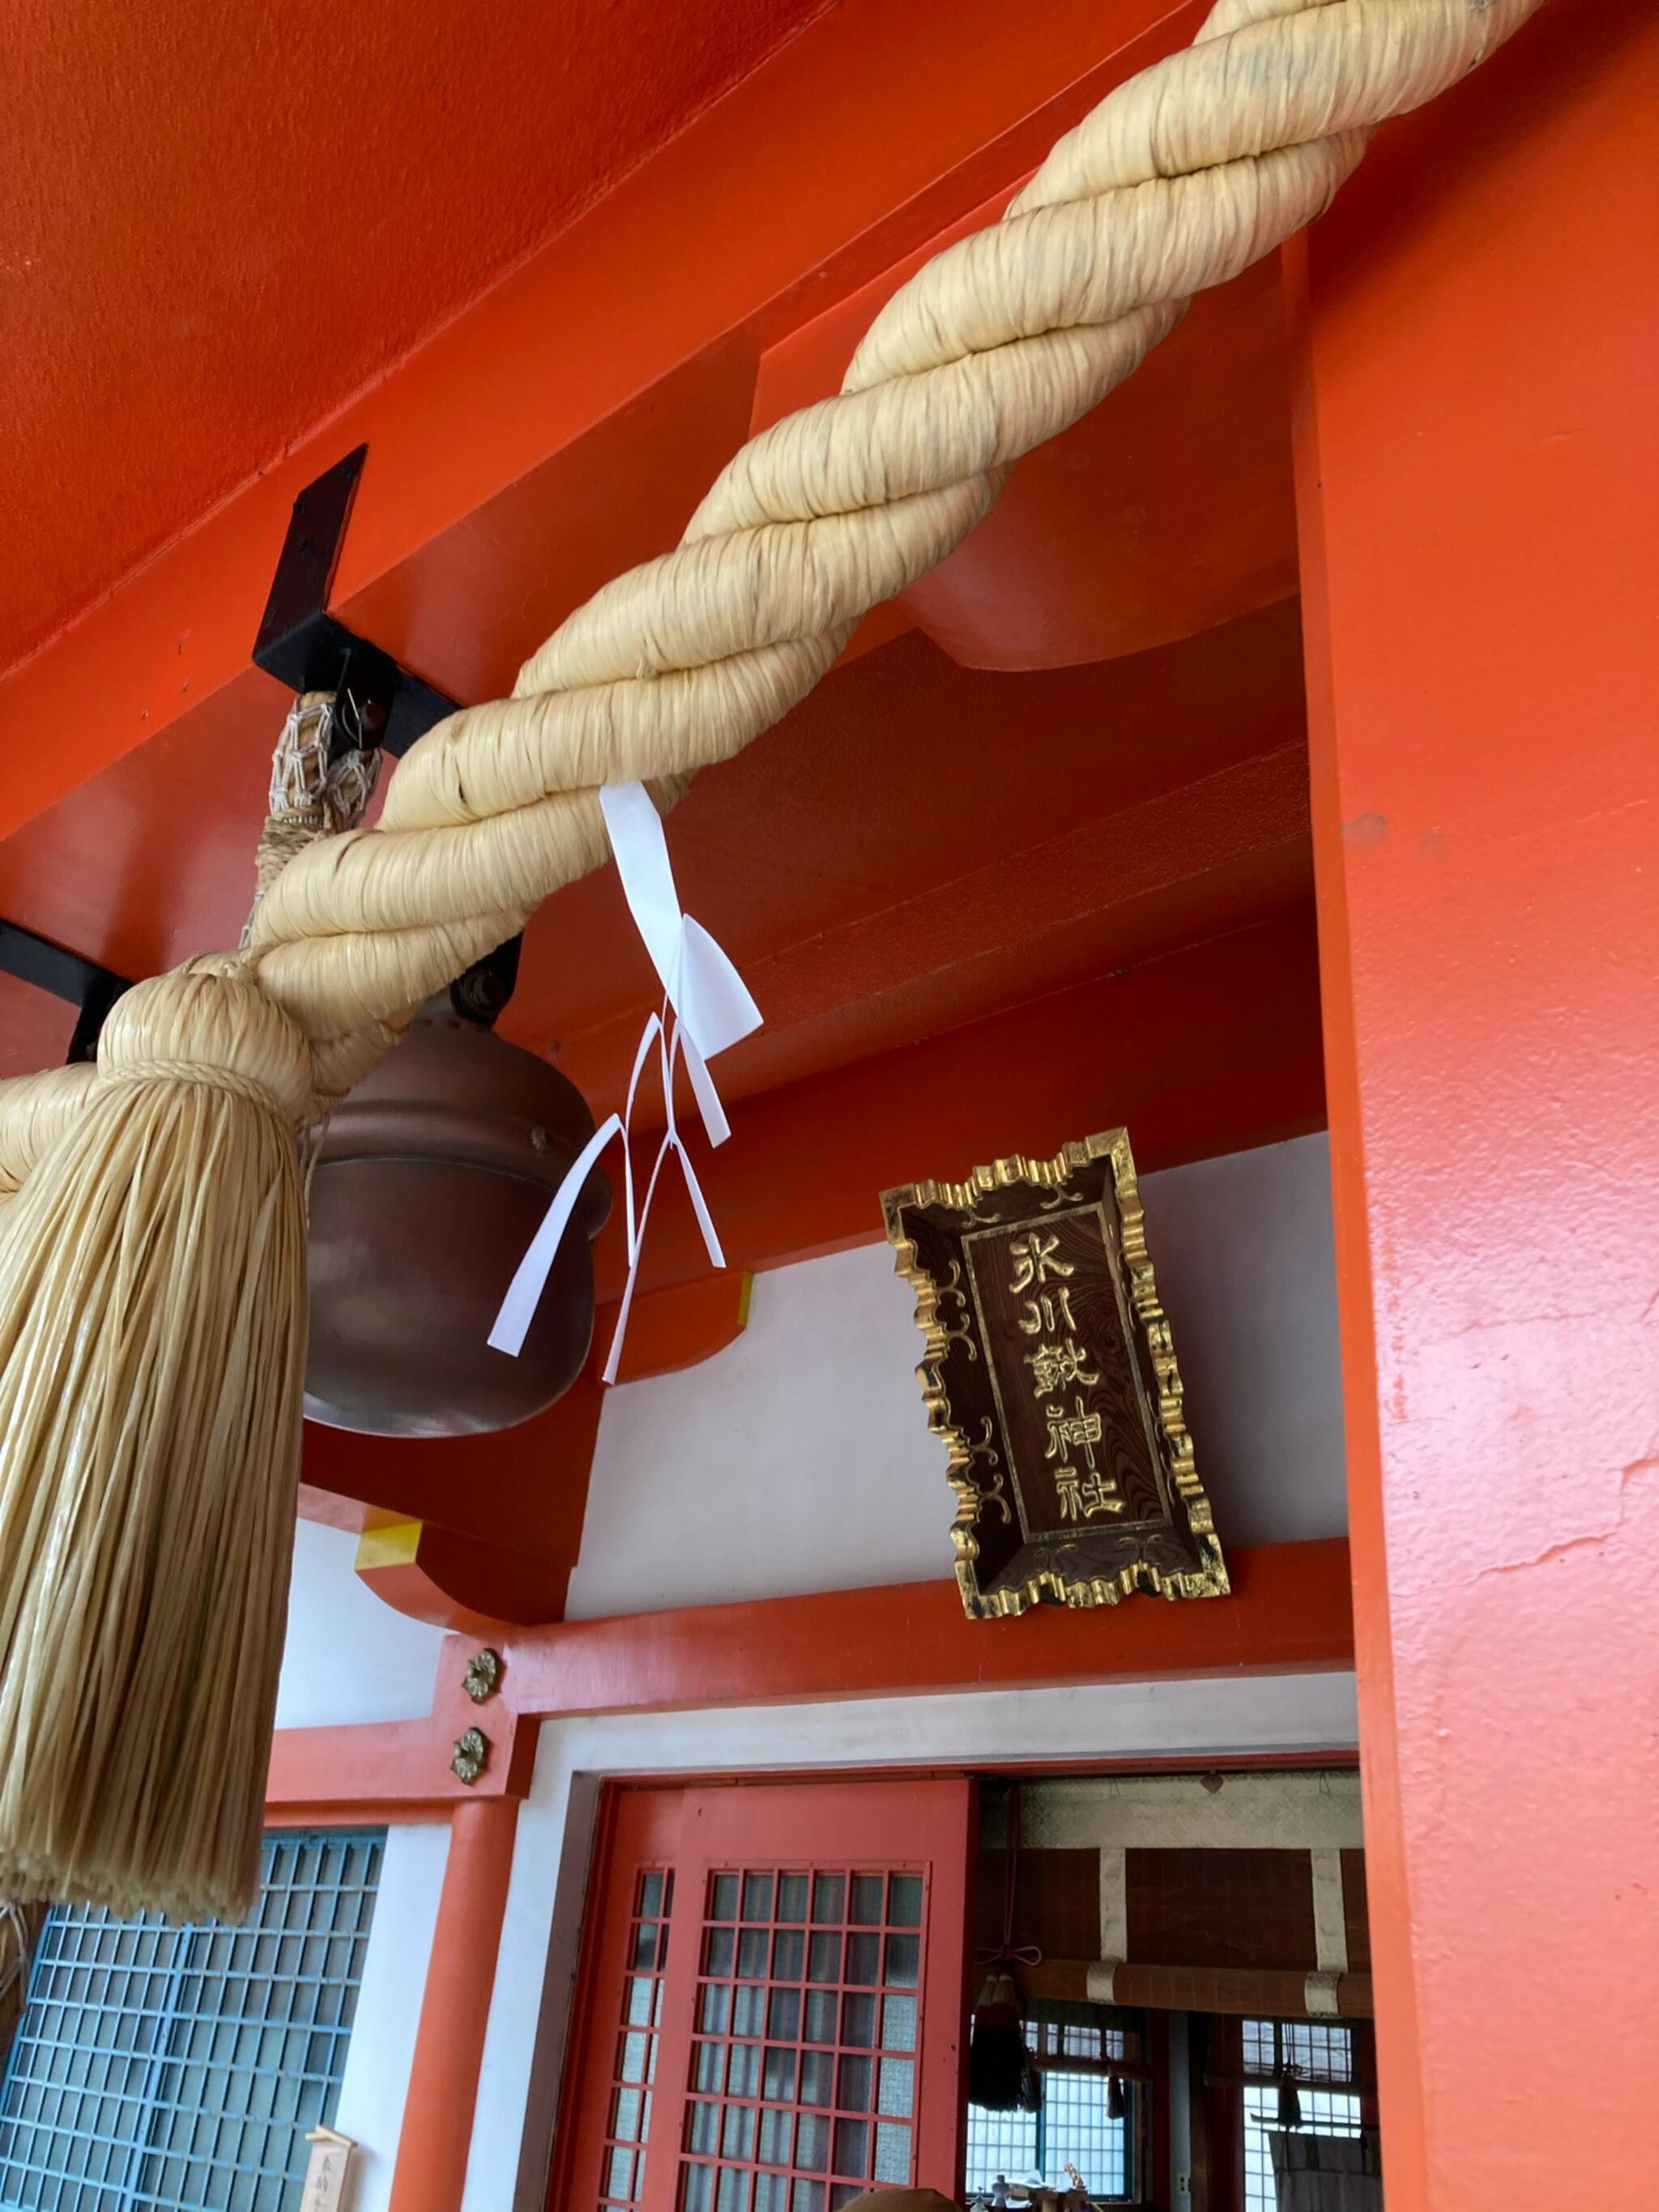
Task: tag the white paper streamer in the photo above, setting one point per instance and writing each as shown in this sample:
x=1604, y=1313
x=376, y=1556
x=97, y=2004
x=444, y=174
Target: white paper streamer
x=703, y=988
x=524, y=1292
x=669, y=1047
x=711, y=1008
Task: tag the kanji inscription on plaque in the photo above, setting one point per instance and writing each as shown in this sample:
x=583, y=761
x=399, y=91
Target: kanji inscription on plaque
x=1051, y=1374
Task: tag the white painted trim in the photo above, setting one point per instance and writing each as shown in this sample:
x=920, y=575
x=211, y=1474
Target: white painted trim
x=1114, y=1902
x=1330, y=1917
x=348, y=1657
x=1319, y=1997
x=524, y=2049
x=709, y=1484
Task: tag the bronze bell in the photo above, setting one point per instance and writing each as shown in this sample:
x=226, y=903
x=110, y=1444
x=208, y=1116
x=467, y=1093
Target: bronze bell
x=432, y=1179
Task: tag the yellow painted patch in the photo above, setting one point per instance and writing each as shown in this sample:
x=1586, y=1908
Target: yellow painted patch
x=394, y=1546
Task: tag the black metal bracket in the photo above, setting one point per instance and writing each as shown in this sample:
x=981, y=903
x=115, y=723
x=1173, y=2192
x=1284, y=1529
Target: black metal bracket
x=94, y=990
x=308, y=649
x=381, y=703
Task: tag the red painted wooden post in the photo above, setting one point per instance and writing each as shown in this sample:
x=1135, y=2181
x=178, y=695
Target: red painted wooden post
x=1477, y=444
x=460, y=1980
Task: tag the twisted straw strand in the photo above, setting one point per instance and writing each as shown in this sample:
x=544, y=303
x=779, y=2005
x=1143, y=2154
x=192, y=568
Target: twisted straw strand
x=1179, y=180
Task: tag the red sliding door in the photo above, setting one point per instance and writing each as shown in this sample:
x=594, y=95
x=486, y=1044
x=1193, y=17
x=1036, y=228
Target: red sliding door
x=777, y=1999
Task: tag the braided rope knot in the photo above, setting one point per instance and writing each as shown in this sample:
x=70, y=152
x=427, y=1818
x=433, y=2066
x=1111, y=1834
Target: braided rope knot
x=210, y=1025
x=224, y=1079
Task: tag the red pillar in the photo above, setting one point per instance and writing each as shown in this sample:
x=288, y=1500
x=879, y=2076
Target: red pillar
x=443, y=2077
x=1478, y=456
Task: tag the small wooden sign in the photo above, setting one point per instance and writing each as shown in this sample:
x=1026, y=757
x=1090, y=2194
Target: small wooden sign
x=327, y=2172
x=1050, y=1375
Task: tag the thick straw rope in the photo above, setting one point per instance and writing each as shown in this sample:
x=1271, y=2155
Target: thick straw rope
x=1179, y=180
x=152, y=1262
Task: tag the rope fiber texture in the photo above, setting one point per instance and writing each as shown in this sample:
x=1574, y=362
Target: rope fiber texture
x=1179, y=180
x=317, y=789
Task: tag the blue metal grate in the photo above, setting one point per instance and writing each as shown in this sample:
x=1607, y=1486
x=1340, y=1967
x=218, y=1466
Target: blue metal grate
x=168, y=2069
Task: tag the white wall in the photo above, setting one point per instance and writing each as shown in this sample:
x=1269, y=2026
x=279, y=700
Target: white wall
x=524, y=2049
x=799, y=1459
x=1246, y=1262
x=382, y=2046
x=349, y=1657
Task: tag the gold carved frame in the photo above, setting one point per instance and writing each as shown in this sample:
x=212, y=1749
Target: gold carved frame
x=1184, y=1560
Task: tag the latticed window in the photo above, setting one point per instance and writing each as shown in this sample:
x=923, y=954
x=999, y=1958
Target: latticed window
x=634, y=2075
x=1321, y=2060
x=1079, y=2123
x=166, y=2069
x=804, y=2068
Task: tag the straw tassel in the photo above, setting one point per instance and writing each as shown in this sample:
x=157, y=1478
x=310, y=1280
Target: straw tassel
x=152, y=1347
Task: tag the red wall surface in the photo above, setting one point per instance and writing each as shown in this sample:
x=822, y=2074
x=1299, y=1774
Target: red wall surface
x=1478, y=442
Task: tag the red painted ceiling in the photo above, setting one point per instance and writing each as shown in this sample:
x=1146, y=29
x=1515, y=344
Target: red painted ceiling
x=1076, y=746
x=219, y=227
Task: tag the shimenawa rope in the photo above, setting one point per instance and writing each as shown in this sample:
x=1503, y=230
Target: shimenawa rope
x=152, y=1264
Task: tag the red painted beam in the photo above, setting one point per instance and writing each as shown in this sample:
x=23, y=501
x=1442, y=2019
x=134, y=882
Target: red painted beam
x=397, y=1769
x=1208, y=1051
x=1096, y=893
x=475, y=1588
x=676, y=1328
x=436, y=2136
x=523, y=1490
x=1289, y=1610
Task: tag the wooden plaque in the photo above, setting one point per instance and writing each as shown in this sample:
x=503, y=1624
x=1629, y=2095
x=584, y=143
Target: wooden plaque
x=328, y=2170
x=1050, y=1375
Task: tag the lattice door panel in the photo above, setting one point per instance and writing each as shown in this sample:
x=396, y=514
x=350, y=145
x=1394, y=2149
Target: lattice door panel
x=621, y=2028
x=814, y=2006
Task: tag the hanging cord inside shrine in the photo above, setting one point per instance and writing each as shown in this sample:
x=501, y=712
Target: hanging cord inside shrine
x=1000, y=2076
x=152, y=1264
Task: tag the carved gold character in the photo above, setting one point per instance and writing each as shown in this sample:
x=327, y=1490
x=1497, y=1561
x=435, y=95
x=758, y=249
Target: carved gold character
x=1057, y=1366
x=1048, y=1311
x=1034, y=1262
x=1083, y=1496
x=1066, y=1431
